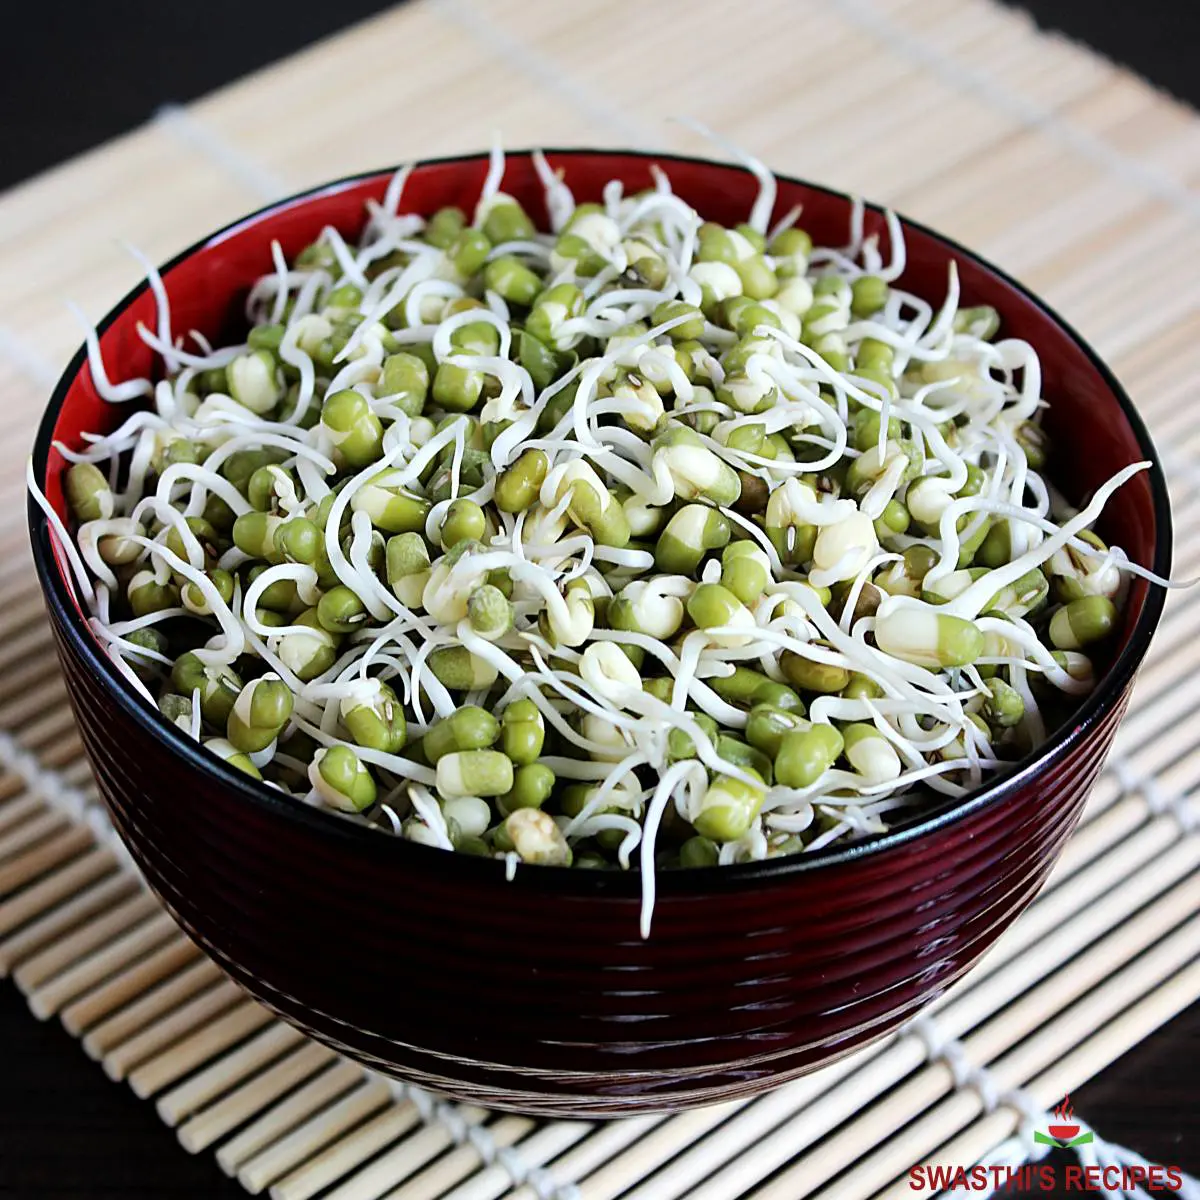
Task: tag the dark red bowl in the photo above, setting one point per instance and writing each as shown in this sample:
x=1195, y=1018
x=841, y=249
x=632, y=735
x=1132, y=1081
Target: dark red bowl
x=538, y=994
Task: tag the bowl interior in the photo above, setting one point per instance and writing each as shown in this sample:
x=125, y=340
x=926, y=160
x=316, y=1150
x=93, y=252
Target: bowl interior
x=1093, y=426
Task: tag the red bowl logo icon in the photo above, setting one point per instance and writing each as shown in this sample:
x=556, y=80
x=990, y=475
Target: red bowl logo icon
x=1064, y=1133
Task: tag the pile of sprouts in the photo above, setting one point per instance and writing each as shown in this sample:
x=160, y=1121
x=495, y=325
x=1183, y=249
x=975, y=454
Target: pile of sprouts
x=638, y=543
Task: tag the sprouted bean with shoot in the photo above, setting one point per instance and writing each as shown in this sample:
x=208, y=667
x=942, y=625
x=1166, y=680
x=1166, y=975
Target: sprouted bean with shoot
x=643, y=542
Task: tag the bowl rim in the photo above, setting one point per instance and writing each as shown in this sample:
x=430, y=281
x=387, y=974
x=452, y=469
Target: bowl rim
x=694, y=881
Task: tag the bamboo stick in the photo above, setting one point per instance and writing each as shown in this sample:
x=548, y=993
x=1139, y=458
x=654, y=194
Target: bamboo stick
x=686, y=1129
x=177, y=1061
x=58, y=921
x=98, y=1004
x=40, y=728
x=344, y=1156
x=12, y=785
x=604, y=1144
x=283, y=1156
x=103, y=928
x=464, y=1163
x=16, y=811
x=26, y=611
x=175, y=1024
x=16, y=580
x=29, y=833
x=113, y=1031
x=276, y=1122
x=374, y=1180
x=254, y=1096
x=1130, y=864
x=34, y=700
x=384, y=1173
x=36, y=862
x=26, y=678
x=52, y=694
x=48, y=999
x=545, y=1143
x=60, y=751
x=33, y=638
x=1045, y=1041
x=227, y=1072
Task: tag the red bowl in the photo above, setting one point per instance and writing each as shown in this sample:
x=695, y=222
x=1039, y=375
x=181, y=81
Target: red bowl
x=538, y=994
x=1064, y=1133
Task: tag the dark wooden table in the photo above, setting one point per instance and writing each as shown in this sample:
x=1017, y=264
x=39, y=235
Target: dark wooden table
x=80, y=74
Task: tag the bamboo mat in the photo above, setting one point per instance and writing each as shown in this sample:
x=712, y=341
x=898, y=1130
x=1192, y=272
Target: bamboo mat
x=1069, y=172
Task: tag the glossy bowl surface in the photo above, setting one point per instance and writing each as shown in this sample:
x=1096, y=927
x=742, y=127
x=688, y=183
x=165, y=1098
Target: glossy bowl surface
x=538, y=994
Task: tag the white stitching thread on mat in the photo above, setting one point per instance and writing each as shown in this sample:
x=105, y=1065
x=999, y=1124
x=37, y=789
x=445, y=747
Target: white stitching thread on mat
x=1157, y=182
x=1021, y=1147
x=33, y=365
x=462, y=1131
x=539, y=67
x=60, y=794
x=940, y=1047
x=191, y=130
x=1179, y=464
x=43, y=781
x=1159, y=800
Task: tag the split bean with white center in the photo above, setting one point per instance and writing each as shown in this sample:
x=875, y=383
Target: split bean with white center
x=870, y=753
x=1083, y=621
x=712, y=606
x=231, y=755
x=458, y=669
x=341, y=780
x=689, y=535
x=374, y=716
x=842, y=550
x=590, y=504
x=474, y=773
x=259, y=714
x=805, y=755
x=728, y=808
x=920, y=634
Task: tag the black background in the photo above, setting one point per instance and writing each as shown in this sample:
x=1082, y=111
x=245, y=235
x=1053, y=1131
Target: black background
x=73, y=75
x=78, y=73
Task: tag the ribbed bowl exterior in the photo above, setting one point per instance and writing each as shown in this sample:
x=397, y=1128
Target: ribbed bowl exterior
x=538, y=994
x=554, y=1004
